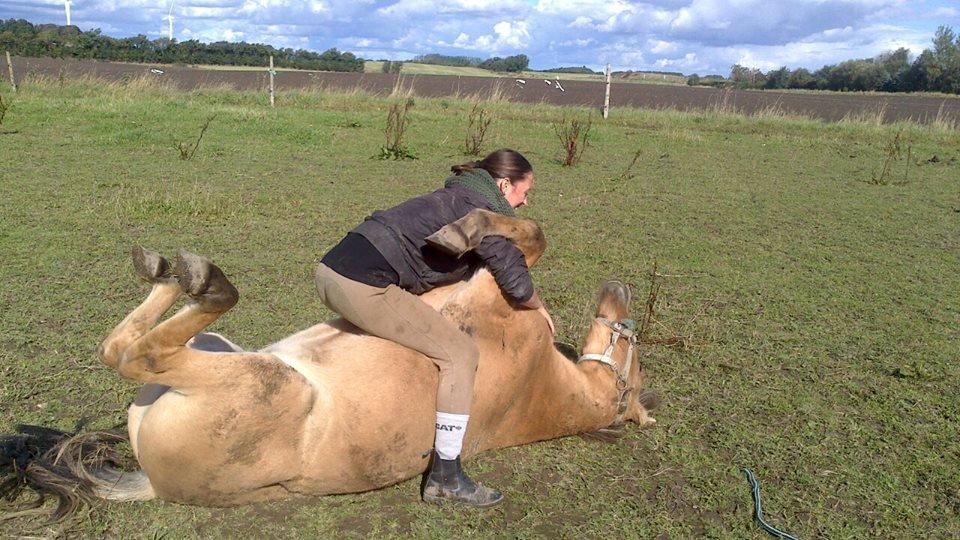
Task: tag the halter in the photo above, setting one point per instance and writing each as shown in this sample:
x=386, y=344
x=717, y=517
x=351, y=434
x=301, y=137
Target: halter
x=623, y=330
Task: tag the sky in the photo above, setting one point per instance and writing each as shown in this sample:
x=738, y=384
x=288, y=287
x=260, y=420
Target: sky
x=688, y=36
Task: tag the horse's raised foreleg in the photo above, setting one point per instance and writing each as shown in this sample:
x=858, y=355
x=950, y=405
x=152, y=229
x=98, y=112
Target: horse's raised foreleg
x=164, y=347
x=153, y=269
x=467, y=232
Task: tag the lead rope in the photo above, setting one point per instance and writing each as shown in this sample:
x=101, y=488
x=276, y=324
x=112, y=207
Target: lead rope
x=758, y=509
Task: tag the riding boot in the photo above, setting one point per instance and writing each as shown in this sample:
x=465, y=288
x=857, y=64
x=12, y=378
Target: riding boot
x=446, y=481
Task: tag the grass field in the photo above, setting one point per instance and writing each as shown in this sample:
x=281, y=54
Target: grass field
x=413, y=68
x=819, y=301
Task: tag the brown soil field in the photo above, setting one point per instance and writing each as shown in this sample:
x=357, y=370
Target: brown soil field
x=830, y=107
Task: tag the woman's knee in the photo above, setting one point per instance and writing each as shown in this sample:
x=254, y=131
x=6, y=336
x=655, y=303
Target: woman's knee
x=469, y=355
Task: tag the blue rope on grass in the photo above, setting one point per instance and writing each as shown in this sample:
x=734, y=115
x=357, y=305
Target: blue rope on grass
x=758, y=509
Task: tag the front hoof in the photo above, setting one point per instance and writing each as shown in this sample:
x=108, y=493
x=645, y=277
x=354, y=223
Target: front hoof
x=150, y=266
x=450, y=239
x=204, y=282
x=193, y=273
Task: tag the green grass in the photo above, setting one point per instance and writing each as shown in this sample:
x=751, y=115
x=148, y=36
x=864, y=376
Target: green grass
x=822, y=311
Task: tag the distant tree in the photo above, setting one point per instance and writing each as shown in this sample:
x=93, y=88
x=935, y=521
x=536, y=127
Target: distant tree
x=693, y=80
x=444, y=60
x=802, y=78
x=946, y=52
x=508, y=64
x=777, y=79
x=744, y=77
x=581, y=69
x=385, y=67
x=23, y=38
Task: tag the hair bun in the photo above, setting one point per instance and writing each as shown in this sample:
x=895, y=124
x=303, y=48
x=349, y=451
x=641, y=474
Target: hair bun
x=466, y=167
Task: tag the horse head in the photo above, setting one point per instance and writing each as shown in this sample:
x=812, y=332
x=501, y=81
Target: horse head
x=612, y=341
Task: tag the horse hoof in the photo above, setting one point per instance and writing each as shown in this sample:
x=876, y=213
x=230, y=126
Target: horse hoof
x=149, y=265
x=450, y=239
x=193, y=273
x=204, y=282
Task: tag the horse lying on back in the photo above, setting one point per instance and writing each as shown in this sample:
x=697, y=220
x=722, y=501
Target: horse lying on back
x=332, y=410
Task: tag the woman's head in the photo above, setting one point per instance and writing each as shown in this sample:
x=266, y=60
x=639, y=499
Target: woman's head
x=511, y=171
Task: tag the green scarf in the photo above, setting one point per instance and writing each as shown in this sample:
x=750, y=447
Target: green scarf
x=480, y=181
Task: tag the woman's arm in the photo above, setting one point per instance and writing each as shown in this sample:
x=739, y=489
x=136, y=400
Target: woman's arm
x=509, y=268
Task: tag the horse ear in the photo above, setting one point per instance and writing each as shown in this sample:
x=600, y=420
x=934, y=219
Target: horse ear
x=649, y=399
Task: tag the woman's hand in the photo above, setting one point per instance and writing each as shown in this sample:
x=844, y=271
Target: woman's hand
x=535, y=303
x=543, y=311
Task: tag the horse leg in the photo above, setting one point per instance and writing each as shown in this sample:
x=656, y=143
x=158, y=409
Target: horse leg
x=155, y=270
x=154, y=354
x=467, y=232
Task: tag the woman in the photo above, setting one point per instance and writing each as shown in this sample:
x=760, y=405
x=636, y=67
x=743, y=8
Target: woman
x=373, y=275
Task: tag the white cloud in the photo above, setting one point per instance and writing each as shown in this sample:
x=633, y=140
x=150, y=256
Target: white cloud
x=706, y=36
x=659, y=46
x=945, y=12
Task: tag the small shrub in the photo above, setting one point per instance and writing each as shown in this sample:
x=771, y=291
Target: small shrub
x=186, y=150
x=627, y=174
x=574, y=136
x=892, y=154
x=479, y=122
x=391, y=67
x=397, y=123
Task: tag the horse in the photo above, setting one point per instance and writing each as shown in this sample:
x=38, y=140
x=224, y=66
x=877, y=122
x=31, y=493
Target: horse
x=332, y=410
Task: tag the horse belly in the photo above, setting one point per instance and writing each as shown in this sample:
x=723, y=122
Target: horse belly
x=209, y=450
x=381, y=417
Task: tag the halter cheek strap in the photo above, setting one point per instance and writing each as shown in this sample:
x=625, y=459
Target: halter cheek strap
x=620, y=330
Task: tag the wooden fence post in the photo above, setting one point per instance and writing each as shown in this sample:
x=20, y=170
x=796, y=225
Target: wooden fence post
x=272, y=73
x=606, y=96
x=13, y=82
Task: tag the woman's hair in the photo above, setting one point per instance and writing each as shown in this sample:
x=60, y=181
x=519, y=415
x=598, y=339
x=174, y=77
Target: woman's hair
x=503, y=163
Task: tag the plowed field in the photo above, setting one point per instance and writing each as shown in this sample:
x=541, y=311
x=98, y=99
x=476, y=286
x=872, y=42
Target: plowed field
x=830, y=107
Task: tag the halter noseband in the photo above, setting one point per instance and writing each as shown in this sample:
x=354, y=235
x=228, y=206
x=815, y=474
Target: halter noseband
x=623, y=330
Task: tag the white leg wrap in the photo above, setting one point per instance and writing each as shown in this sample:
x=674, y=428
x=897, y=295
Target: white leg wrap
x=450, y=431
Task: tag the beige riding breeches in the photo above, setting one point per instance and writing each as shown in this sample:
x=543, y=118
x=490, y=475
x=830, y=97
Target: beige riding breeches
x=394, y=314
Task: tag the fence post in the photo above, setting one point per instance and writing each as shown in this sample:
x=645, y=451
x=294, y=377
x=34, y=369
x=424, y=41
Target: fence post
x=272, y=72
x=606, y=96
x=13, y=82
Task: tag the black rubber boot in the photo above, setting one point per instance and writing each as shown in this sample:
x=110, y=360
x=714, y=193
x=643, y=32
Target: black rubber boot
x=446, y=482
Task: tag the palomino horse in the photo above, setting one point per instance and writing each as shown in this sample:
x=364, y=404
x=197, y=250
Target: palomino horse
x=332, y=410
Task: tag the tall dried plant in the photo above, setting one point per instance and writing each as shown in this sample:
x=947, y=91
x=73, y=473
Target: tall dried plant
x=479, y=123
x=574, y=135
x=397, y=122
x=186, y=150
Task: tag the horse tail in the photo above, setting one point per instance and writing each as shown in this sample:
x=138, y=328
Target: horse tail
x=73, y=468
x=116, y=485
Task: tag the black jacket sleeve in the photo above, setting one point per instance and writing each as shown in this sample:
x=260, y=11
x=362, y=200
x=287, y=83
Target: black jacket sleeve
x=508, y=266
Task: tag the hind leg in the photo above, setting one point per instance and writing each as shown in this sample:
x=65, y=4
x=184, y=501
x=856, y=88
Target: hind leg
x=467, y=232
x=155, y=270
x=163, y=348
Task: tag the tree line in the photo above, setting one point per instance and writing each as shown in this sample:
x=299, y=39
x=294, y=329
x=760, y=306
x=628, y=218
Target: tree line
x=511, y=64
x=936, y=69
x=23, y=38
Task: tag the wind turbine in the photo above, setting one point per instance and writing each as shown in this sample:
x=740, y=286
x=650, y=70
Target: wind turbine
x=169, y=18
x=66, y=7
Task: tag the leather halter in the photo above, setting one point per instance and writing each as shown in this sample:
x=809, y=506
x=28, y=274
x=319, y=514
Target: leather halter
x=621, y=330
